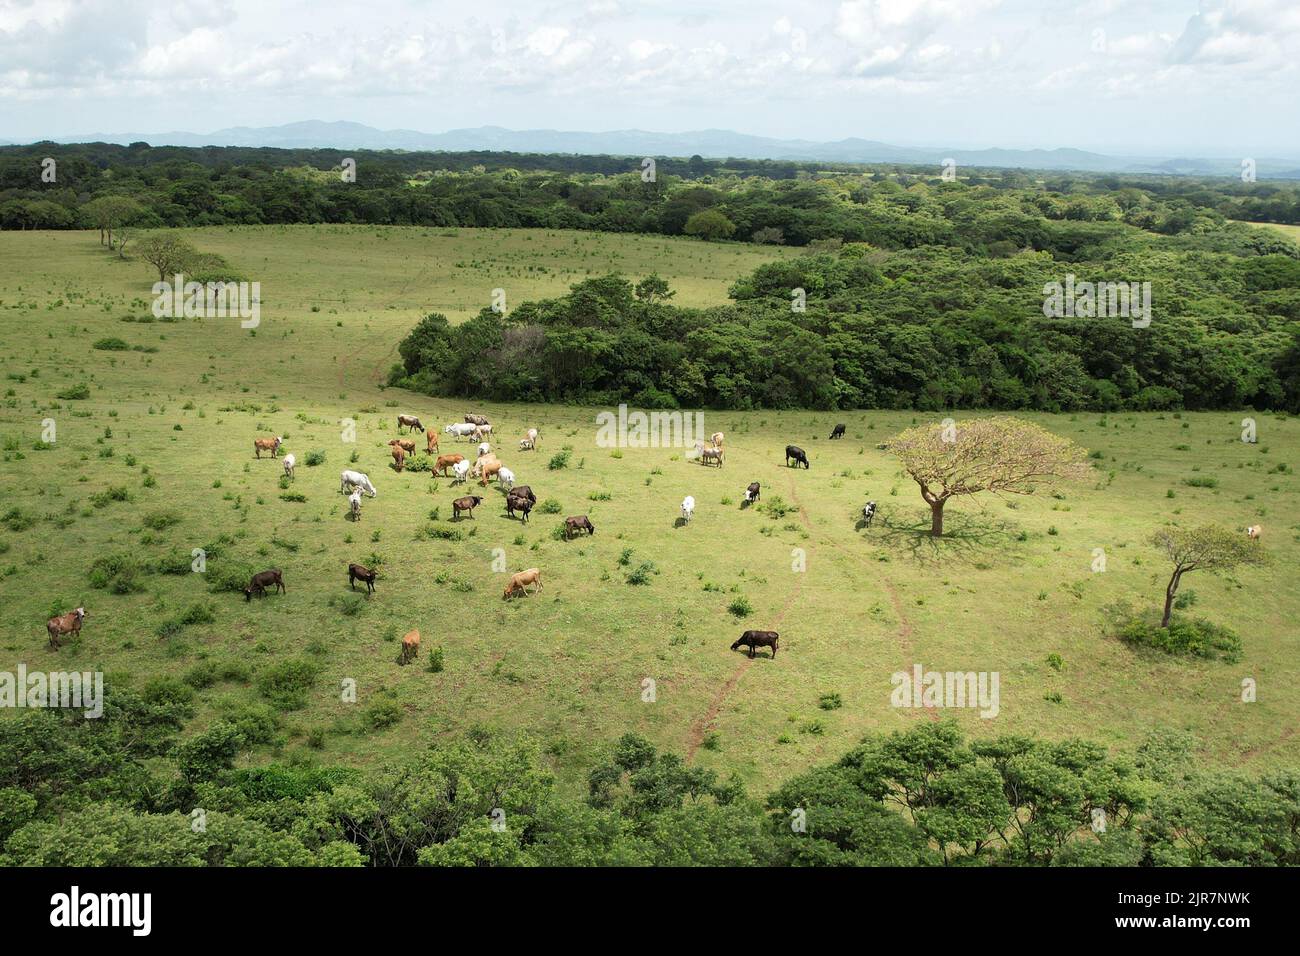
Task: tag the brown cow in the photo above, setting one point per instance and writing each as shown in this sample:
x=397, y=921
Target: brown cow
x=257, y=585
x=399, y=457
x=580, y=523
x=468, y=503
x=410, y=647
x=408, y=421
x=520, y=582
x=520, y=503
x=488, y=470
x=431, y=438
x=475, y=420
x=267, y=444
x=758, y=639
x=446, y=461
x=405, y=444
x=358, y=572
x=69, y=623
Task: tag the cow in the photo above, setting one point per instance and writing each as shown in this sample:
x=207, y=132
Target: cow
x=481, y=463
x=751, y=493
x=431, y=441
x=716, y=438
x=354, y=505
x=460, y=430
x=409, y=422
x=688, y=507
x=488, y=470
x=837, y=431
x=267, y=444
x=405, y=444
x=527, y=444
x=259, y=582
x=460, y=471
x=480, y=432
x=520, y=504
x=506, y=477
x=520, y=582
x=711, y=454
x=69, y=623
x=399, y=457
x=523, y=491
x=1253, y=532
x=484, y=448
x=359, y=479
x=289, y=464
x=446, y=461
x=532, y=435
x=476, y=420
x=758, y=639
x=410, y=647
x=468, y=503
x=797, y=454
x=868, y=512
x=357, y=572
x=577, y=524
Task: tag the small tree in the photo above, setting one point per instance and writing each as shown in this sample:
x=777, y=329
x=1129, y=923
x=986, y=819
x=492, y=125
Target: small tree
x=709, y=224
x=111, y=212
x=1210, y=548
x=1000, y=455
x=166, y=252
x=652, y=288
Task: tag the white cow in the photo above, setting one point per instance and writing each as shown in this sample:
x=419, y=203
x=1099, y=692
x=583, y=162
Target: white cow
x=688, y=507
x=484, y=448
x=354, y=505
x=460, y=470
x=481, y=431
x=360, y=480
x=460, y=429
x=289, y=462
x=526, y=444
x=532, y=436
x=1254, y=531
x=506, y=477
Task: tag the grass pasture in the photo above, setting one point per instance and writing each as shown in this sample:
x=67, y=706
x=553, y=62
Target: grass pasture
x=1009, y=588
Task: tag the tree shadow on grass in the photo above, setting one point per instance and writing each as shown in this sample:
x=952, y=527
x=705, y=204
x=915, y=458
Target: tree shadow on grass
x=968, y=538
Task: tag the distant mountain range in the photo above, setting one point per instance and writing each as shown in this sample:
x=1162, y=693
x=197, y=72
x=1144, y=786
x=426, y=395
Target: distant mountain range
x=711, y=143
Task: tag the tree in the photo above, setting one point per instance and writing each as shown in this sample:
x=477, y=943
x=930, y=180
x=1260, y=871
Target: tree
x=111, y=212
x=167, y=252
x=653, y=287
x=1000, y=455
x=1209, y=548
x=709, y=224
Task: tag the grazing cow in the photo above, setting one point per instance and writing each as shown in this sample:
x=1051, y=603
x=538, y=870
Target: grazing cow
x=1254, y=531
x=506, y=477
x=716, y=438
x=410, y=647
x=405, y=444
x=354, y=505
x=711, y=455
x=868, y=512
x=431, y=442
x=751, y=493
x=446, y=461
x=837, y=431
x=520, y=504
x=408, y=421
x=688, y=507
x=484, y=448
x=267, y=444
x=460, y=430
x=532, y=435
x=289, y=463
x=523, y=491
x=488, y=470
x=480, y=432
x=359, y=479
x=261, y=580
x=460, y=471
x=399, y=457
x=357, y=572
x=468, y=503
x=520, y=582
x=476, y=420
x=758, y=639
x=69, y=623
x=527, y=444
x=574, y=525
x=797, y=454
x=481, y=463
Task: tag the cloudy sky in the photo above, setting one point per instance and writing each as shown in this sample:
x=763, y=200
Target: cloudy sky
x=1159, y=77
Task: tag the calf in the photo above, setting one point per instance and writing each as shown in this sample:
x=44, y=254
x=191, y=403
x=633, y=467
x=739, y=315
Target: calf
x=468, y=503
x=506, y=477
x=267, y=444
x=520, y=504
x=357, y=572
x=532, y=435
x=399, y=457
x=408, y=421
x=688, y=507
x=527, y=444
x=868, y=512
x=758, y=639
x=797, y=454
x=431, y=441
x=573, y=526
x=837, y=431
x=480, y=432
x=69, y=623
x=1253, y=532
x=751, y=493
x=354, y=505
x=261, y=580
x=488, y=470
x=289, y=464
x=405, y=444
x=410, y=647
x=446, y=461
x=520, y=582
x=481, y=463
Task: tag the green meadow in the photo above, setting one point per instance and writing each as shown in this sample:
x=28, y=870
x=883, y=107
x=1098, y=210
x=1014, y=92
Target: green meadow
x=158, y=461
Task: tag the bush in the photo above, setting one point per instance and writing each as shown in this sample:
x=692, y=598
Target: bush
x=383, y=711
x=76, y=393
x=642, y=573
x=1201, y=481
x=436, y=663
x=116, y=573
x=102, y=499
x=560, y=459
x=740, y=607
x=550, y=507
x=112, y=344
x=314, y=458
x=161, y=520
x=1188, y=637
x=196, y=614
x=285, y=684
x=16, y=519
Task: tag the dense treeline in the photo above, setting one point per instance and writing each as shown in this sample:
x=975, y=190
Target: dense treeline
x=128, y=789
x=928, y=328
x=759, y=200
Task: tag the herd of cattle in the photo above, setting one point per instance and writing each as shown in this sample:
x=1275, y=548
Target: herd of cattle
x=520, y=501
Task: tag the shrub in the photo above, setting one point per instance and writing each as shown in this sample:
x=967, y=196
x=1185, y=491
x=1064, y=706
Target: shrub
x=642, y=573
x=112, y=344
x=314, y=458
x=285, y=684
x=1188, y=637
x=161, y=520
x=740, y=607
x=560, y=459
x=196, y=614
x=102, y=499
x=831, y=701
x=116, y=573
x=1201, y=481
x=76, y=393
x=16, y=519
x=436, y=664
x=550, y=507
x=383, y=711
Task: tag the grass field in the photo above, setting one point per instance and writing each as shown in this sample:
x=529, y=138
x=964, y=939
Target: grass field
x=1291, y=232
x=1009, y=588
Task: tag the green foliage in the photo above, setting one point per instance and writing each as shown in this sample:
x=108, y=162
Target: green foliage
x=285, y=683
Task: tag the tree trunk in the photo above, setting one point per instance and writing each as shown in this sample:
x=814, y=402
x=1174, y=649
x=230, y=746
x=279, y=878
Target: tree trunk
x=936, y=517
x=1170, y=591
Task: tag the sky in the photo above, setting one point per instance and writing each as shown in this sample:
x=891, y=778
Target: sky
x=1162, y=77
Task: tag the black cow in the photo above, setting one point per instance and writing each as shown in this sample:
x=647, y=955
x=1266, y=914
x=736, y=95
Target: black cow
x=868, y=512
x=261, y=580
x=758, y=639
x=797, y=454
x=751, y=493
x=514, y=504
x=837, y=431
x=357, y=572
x=523, y=491
x=573, y=525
